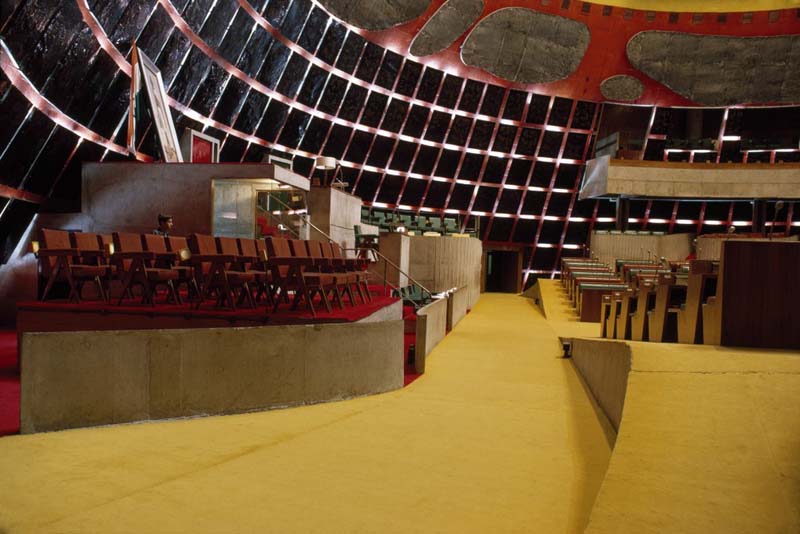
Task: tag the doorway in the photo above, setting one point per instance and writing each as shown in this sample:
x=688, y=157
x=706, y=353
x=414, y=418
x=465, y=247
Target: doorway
x=503, y=270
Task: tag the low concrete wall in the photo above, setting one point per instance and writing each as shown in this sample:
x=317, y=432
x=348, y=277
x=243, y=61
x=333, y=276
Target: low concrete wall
x=442, y=263
x=431, y=329
x=609, y=247
x=396, y=247
x=79, y=379
x=604, y=365
x=457, y=307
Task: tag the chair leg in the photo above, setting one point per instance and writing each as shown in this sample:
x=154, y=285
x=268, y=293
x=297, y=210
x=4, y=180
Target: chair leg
x=338, y=293
x=100, y=289
x=175, y=297
x=349, y=292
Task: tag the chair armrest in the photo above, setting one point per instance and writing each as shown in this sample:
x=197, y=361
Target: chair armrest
x=173, y=256
x=47, y=252
x=197, y=258
x=92, y=253
x=134, y=255
x=249, y=259
x=285, y=260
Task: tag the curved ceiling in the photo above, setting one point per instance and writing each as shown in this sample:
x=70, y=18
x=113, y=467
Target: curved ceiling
x=708, y=6
x=263, y=75
x=484, y=51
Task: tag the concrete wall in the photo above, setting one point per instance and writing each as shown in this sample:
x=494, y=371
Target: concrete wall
x=127, y=197
x=431, y=329
x=689, y=180
x=604, y=366
x=609, y=247
x=442, y=263
x=397, y=248
x=79, y=379
x=457, y=307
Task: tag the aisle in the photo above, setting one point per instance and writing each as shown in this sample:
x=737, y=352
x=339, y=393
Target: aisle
x=498, y=436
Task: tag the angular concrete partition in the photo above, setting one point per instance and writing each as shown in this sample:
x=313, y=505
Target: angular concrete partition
x=604, y=366
x=431, y=329
x=457, y=304
x=80, y=379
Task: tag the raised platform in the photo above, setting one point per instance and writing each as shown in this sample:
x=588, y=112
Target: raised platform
x=707, y=437
x=90, y=364
x=93, y=315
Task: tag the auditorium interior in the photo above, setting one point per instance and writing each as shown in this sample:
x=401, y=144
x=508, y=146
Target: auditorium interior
x=356, y=266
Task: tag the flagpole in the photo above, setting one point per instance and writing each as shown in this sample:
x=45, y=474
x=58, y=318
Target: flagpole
x=134, y=95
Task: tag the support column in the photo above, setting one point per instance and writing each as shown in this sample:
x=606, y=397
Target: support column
x=759, y=215
x=623, y=212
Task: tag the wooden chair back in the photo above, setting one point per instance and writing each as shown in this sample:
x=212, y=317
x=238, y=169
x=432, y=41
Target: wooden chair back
x=85, y=241
x=227, y=246
x=126, y=242
x=155, y=243
x=177, y=243
x=52, y=239
x=299, y=248
x=202, y=244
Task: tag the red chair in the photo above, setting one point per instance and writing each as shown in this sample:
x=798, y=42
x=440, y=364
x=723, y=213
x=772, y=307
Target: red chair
x=356, y=266
x=313, y=279
x=255, y=261
x=169, y=259
x=214, y=274
x=289, y=264
x=136, y=266
x=59, y=261
x=323, y=259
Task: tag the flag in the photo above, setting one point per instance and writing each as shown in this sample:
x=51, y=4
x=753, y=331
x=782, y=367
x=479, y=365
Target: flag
x=133, y=108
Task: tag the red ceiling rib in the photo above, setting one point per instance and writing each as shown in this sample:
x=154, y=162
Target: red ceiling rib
x=513, y=149
x=18, y=194
x=496, y=121
x=24, y=86
x=606, y=53
x=299, y=50
x=574, y=194
x=484, y=163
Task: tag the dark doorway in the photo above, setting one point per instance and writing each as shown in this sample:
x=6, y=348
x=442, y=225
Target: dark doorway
x=503, y=271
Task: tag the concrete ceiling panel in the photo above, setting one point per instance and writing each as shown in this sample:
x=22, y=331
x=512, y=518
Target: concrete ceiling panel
x=445, y=26
x=376, y=15
x=526, y=46
x=716, y=70
x=622, y=87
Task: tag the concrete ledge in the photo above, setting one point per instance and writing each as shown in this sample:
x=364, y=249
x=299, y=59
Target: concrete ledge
x=604, y=365
x=431, y=329
x=457, y=307
x=80, y=379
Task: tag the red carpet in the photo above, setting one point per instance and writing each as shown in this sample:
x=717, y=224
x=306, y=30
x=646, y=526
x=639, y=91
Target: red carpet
x=409, y=339
x=9, y=383
x=9, y=377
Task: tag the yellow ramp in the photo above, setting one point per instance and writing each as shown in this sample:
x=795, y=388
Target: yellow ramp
x=709, y=443
x=498, y=436
x=560, y=313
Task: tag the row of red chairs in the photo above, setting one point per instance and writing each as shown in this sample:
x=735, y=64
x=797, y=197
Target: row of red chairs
x=234, y=271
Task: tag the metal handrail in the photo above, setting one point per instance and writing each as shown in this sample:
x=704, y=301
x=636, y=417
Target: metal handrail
x=307, y=220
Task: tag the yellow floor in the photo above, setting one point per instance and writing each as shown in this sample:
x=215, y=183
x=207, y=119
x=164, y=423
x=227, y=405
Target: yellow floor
x=560, y=313
x=709, y=443
x=498, y=436
x=709, y=440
